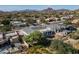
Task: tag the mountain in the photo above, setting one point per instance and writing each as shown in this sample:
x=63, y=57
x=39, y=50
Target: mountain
x=62, y=10
x=1, y=11
x=48, y=10
x=27, y=10
x=76, y=10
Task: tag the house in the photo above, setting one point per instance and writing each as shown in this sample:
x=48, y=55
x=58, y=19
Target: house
x=51, y=19
x=47, y=30
x=30, y=29
x=38, y=21
x=75, y=21
x=67, y=17
x=12, y=34
x=70, y=28
x=42, y=28
x=18, y=23
x=1, y=25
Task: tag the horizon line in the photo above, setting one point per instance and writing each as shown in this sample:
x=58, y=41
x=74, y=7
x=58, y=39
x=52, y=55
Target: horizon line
x=7, y=8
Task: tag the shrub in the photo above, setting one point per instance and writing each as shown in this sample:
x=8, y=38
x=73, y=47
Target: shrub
x=58, y=47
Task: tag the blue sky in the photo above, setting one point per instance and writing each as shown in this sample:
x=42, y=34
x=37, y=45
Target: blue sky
x=36, y=7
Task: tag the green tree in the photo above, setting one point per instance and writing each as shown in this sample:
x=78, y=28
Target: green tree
x=5, y=28
x=44, y=21
x=67, y=22
x=35, y=36
x=74, y=35
x=6, y=22
x=30, y=21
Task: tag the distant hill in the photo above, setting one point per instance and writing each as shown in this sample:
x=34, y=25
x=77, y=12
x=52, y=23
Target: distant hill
x=48, y=10
x=28, y=10
x=62, y=10
x=44, y=10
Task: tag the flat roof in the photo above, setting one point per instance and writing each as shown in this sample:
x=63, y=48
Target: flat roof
x=52, y=27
